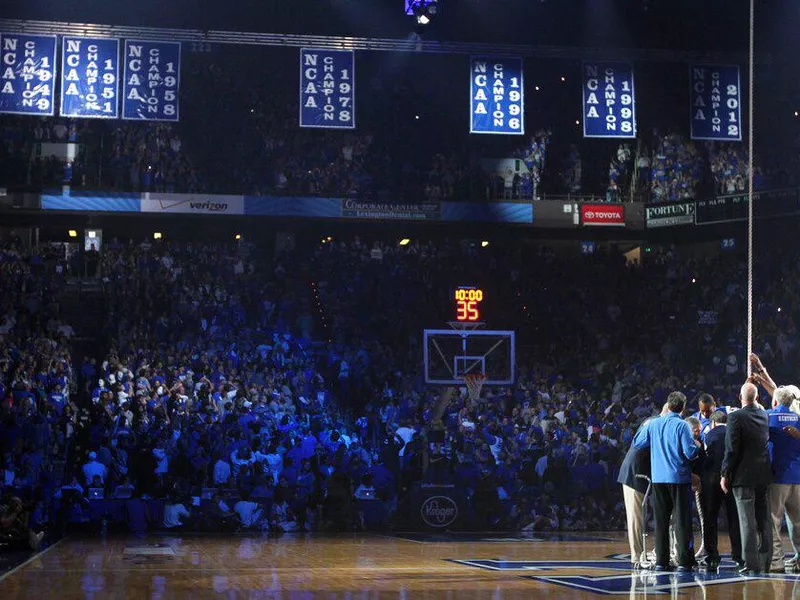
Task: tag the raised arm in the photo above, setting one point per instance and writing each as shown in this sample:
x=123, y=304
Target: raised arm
x=760, y=375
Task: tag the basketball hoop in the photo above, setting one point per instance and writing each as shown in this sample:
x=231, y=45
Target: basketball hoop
x=474, y=383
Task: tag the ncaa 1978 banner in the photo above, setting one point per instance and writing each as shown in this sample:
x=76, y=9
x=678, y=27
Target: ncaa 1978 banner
x=327, y=88
x=496, y=96
x=89, y=77
x=152, y=79
x=28, y=75
x=716, y=111
x=609, y=101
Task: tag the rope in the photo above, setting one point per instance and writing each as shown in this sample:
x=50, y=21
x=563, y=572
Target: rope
x=750, y=194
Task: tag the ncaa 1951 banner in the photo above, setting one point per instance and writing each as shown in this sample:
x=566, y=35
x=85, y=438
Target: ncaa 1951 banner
x=152, y=79
x=716, y=111
x=89, y=77
x=609, y=101
x=496, y=96
x=327, y=88
x=27, y=79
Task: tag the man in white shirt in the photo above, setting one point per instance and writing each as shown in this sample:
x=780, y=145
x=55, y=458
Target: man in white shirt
x=94, y=467
x=405, y=433
x=249, y=513
x=173, y=512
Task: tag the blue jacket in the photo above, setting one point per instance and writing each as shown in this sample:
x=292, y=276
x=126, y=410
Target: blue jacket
x=672, y=447
x=785, y=449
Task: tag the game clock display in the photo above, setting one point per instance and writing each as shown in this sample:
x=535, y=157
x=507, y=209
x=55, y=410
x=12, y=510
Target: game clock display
x=468, y=301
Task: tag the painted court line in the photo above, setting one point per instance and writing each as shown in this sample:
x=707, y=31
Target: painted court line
x=31, y=559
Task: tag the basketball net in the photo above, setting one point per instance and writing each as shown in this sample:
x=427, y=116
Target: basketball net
x=474, y=383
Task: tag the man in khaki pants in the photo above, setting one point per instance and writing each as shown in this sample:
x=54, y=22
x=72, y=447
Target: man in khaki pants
x=636, y=462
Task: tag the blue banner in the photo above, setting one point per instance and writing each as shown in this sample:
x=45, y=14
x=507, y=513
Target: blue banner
x=327, y=88
x=28, y=75
x=497, y=96
x=152, y=80
x=609, y=101
x=716, y=98
x=90, y=78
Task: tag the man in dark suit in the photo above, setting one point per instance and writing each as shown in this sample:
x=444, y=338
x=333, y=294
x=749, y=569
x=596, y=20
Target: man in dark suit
x=713, y=496
x=747, y=472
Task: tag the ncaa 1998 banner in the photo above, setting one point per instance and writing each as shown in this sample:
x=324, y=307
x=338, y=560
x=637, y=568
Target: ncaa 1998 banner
x=716, y=103
x=28, y=75
x=327, y=88
x=89, y=78
x=609, y=101
x=496, y=96
x=152, y=79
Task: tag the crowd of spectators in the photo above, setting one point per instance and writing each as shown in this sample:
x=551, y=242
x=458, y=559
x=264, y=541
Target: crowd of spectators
x=232, y=394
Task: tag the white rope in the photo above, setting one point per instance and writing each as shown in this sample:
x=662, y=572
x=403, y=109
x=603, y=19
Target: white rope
x=750, y=194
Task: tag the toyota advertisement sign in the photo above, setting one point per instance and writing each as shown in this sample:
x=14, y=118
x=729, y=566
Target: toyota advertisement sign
x=603, y=215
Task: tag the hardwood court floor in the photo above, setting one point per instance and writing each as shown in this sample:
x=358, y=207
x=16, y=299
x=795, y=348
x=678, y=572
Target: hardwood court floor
x=361, y=566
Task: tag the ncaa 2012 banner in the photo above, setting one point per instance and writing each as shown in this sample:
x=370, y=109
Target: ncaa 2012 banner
x=609, y=100
x=327, y=88
x=89, y=78
x=716, y=110
x=28, y=76
x=152, y=80
x=497, y=95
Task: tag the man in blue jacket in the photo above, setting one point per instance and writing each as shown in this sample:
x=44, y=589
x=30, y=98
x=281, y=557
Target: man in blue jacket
x=672, y=448
x=785, y=491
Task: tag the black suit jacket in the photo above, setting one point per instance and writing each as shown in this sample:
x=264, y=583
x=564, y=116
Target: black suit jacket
x=715, y=451
x=637, y=462
x=746, y=462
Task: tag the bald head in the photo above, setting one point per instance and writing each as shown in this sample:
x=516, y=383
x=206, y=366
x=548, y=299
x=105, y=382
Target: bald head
x=748, y=394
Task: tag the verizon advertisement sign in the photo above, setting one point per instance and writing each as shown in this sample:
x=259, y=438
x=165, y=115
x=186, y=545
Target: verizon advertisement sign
x=669, y=215
x=190, y=204
x=603, y=214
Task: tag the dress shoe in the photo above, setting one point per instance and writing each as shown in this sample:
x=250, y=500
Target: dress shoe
x=747, y=572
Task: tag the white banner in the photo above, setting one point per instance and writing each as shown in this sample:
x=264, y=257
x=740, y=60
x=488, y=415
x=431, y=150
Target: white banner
x=193, y=204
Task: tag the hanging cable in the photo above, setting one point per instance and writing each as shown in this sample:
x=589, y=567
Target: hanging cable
x=750, y=194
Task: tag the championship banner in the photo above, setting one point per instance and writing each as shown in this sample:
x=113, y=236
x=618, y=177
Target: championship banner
x=327, y=89
x=27, y=80
x=89, y=78
x=496, y=96
x=152, y=79
x=669, y=215
x=603, y=214
x=716, y=110
x=609, y=101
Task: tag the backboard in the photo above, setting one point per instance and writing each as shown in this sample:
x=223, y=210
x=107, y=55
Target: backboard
x=449, y=355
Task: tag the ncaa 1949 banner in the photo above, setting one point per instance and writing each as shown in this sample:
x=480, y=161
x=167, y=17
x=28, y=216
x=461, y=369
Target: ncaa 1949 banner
x=27, y=74
x=609, y=101
x=89, y=77
x=327, y=88
x=152, y=78
x=496, y=96
x=716, y=111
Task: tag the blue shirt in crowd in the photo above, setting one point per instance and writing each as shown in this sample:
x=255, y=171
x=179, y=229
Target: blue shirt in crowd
x=785, y=449
x=672, y=447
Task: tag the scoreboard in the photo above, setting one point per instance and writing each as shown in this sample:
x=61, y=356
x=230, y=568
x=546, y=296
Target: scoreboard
x=468, y=304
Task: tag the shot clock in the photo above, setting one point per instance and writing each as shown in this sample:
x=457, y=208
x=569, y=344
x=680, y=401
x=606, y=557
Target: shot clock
x=468, y=302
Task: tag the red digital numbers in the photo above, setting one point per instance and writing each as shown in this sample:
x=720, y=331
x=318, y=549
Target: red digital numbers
x=467, y=304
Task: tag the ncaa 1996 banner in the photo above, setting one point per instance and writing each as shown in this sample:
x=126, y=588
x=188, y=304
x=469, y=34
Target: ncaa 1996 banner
x=609, y=102
x=327, y=88
x=89, y=77
x=716, y=111
x=27, y=80
x=152, y=78
x=496, y=96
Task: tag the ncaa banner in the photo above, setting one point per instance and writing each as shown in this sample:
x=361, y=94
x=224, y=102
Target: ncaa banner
x=89, y=78
x=609, y=102
x=496, y=96
x=716, y=111
x=27, y=80
x=327, y=89
x=152, y=79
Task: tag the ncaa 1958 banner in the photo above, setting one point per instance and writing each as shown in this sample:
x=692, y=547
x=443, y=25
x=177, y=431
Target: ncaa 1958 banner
x=28, y=74
x=609, y=102
x=152, y=79
x=327, y=88
x=496, y=96
x=716, y=111
x=89, y=77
